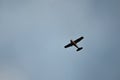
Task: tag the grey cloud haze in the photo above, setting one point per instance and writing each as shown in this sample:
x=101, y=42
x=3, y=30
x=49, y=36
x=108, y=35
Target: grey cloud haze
x=33, y=34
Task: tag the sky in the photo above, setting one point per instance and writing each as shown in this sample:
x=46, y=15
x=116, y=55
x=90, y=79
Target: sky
x=33, y=34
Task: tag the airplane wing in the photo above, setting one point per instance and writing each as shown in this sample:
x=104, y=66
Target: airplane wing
x=68, y=45
x=79, y=39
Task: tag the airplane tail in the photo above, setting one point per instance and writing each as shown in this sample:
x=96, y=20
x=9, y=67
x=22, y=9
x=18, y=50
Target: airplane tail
x=79, y=49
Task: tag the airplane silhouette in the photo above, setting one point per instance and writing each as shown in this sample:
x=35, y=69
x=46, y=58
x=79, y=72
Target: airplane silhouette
x=74, y=43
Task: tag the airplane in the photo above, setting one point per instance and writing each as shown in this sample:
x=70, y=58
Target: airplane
x=74, y=43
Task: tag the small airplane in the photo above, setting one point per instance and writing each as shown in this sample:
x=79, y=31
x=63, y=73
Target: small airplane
x=74, y=43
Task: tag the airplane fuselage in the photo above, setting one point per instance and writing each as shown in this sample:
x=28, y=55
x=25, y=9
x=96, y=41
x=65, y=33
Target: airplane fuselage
x=72, y=42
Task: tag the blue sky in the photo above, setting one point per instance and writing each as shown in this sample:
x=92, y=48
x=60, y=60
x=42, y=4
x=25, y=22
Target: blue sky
x=33, y=34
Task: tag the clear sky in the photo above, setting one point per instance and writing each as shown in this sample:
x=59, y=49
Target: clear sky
x=33, y=34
